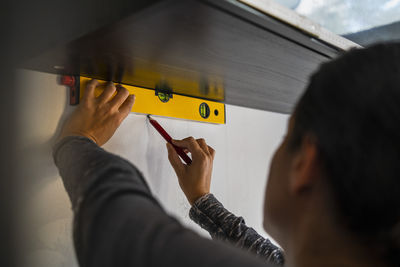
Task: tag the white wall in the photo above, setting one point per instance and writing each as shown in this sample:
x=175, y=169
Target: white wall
x=244, y=148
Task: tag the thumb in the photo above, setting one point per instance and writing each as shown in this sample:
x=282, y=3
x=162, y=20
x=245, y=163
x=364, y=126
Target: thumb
x=174, y=159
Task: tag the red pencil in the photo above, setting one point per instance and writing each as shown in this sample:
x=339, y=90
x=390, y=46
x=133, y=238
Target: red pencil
x=168, y=138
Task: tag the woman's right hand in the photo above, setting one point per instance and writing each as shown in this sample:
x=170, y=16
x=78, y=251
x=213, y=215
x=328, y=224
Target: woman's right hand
x=194, y=179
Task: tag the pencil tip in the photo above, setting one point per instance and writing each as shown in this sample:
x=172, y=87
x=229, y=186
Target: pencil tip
x=148, y=116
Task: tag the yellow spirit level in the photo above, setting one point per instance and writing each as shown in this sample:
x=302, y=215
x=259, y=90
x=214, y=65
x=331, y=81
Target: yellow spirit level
x=167, y=104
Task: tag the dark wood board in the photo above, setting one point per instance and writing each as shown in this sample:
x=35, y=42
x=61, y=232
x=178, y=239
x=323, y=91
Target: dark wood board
x=215, y=50
x=42, y=25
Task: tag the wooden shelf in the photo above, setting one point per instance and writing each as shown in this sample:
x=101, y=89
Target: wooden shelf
x=215, y=50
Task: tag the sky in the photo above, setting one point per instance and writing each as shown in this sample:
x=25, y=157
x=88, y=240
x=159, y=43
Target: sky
x=347, y=16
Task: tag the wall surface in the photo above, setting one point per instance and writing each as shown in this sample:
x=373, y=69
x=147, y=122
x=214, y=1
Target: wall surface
x=244, y=148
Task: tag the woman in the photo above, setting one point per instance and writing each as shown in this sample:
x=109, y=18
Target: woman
x=333, y=190
x=332, y=197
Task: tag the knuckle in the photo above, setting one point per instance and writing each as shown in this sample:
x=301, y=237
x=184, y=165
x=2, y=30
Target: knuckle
x=111, y=86
x=119, y=118
x=202, y=156
x=124, y=91
x=105, y=113
x=92, y=83
x=191, y=139
x=100, y=109
x=113, y=109
x=204, y=165
x=108, y=110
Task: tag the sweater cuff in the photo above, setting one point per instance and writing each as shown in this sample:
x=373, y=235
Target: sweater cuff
x=199, y=212
x=60, y=144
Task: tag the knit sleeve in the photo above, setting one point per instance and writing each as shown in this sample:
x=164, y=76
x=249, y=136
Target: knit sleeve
x=211, y=215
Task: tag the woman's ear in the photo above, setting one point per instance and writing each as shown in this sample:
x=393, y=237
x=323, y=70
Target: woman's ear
x=303, y=173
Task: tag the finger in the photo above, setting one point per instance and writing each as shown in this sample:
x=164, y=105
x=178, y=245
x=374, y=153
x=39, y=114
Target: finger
x=126, y=107
x=202, y=143
x=88, y=95
x=107, y=93
x=189, y=143
x=212, y=151
x=120, y=97
x=174, y=159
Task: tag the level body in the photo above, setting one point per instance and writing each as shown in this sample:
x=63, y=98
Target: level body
x=171, y=105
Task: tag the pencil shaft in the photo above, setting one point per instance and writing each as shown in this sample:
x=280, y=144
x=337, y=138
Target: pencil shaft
x=168, y=138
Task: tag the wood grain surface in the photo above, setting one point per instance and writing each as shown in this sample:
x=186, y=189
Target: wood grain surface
x=208, y=49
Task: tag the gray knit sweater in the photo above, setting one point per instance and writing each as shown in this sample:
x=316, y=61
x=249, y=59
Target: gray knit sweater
x=118, y=222
x=211, y=215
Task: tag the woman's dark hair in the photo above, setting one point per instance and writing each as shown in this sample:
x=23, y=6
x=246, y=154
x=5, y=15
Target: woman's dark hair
x=352, y=108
